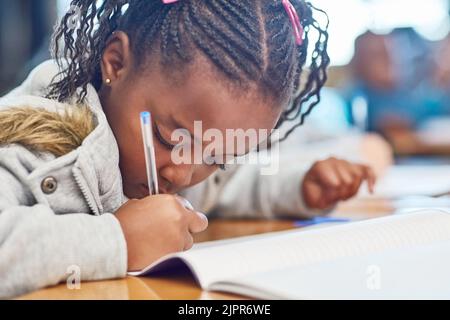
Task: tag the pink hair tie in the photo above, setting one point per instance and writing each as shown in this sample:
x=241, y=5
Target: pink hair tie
x=293, y=16
x=295, y=20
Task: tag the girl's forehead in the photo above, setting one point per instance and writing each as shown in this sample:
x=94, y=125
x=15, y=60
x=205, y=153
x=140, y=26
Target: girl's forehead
x=204, y=96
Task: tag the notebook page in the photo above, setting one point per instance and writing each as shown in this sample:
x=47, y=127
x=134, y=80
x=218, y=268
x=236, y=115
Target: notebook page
x=414, y=273
x=427, y=181
x=234, y=260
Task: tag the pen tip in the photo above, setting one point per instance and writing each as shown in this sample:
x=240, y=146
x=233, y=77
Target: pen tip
x=145, y=116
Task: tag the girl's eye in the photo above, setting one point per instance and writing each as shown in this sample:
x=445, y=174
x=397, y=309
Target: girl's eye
x=161, y=140
x=216, y=162
x=225, y=166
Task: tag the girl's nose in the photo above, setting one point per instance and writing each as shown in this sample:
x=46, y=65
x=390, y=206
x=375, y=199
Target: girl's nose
x=179, y=176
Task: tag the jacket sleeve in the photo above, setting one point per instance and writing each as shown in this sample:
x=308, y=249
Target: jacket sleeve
x=39, y=248
x=249, y=193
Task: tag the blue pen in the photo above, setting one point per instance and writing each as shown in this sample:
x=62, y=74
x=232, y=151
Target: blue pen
x=149, y=150
x=320, y=220
x=150, y=159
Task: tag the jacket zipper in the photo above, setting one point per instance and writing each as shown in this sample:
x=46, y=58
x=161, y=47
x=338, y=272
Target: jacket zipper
x=85, y=193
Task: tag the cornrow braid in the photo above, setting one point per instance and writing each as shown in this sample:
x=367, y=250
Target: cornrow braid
x=309, y=93
x=247, y=41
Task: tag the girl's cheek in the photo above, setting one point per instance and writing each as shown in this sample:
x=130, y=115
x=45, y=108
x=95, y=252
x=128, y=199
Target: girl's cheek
x=163, y=157
x=203, y=173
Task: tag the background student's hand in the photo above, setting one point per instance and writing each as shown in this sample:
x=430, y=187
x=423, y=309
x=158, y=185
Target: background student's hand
x=157, y=225
x=332, y=180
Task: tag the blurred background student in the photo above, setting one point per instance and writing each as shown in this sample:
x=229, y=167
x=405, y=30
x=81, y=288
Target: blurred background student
x=389, y=78
x=403, y=79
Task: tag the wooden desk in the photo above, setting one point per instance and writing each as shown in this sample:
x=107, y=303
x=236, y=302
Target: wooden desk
x=185, y=287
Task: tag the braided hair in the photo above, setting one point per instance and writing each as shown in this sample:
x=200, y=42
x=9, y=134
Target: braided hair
x=247, y=41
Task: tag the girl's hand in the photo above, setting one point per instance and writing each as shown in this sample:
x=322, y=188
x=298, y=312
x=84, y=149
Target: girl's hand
x=156, y=226
x=332, y=180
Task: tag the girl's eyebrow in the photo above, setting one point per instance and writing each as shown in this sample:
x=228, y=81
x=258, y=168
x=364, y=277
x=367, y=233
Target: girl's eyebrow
x=177, y=125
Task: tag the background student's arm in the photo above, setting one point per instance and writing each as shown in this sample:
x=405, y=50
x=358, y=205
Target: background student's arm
x=248, y=193
x=39, y=248
x=291, y=190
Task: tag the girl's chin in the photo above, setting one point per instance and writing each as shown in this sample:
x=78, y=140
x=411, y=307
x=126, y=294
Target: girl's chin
x=135, y=192
x=143, y=191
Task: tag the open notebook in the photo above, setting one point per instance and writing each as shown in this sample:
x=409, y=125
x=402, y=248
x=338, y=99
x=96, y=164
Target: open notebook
x=411, y=180
x=378, y=258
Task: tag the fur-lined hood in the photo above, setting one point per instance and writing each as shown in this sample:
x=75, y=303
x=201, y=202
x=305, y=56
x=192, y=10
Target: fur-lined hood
x=42, y=130
x=65, y=131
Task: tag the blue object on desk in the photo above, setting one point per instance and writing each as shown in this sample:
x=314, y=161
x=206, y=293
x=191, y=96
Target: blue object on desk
x=319, y=220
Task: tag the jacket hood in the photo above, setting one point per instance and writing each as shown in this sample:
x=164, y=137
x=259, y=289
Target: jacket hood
x=98, y=153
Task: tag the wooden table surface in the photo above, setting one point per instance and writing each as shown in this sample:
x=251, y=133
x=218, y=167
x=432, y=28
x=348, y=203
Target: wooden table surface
x=184, y=287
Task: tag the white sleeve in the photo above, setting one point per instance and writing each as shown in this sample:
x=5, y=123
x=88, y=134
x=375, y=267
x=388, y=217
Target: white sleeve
x=249, y=193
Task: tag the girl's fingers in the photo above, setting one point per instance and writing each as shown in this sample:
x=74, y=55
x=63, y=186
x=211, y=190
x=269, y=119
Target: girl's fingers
x=312, y=193
x=331, y=195
x=185, y=202
x=370, y=176
x=335, y=181
x=361, y=173
x=358, y=176
x=348, y=180
x=197, y=222
x=326, y=175
x=188, y=241
x=339, y=180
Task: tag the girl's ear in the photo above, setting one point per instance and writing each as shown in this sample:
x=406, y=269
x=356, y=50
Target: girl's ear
x=116, y=59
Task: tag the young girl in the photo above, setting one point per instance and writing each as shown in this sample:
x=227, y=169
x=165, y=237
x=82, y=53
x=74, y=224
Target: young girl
x=72, y=152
